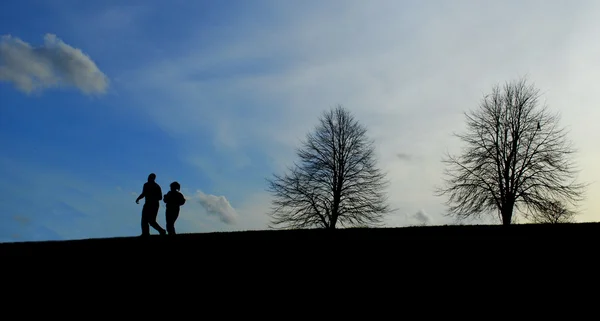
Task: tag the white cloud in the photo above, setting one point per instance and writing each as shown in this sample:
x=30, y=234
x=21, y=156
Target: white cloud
x=55, y=63
x=218, y=205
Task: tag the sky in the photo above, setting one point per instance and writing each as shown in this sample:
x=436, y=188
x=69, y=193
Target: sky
x=217, y=95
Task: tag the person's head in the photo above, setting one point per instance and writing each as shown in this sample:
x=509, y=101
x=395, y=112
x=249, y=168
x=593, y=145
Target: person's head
x=151, y=177
x=175, y=186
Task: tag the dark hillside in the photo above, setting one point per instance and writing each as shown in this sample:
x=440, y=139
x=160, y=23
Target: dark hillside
x=387, y=261
x=273, y=242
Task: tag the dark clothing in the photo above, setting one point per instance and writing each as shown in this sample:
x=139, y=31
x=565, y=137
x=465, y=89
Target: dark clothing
x=149, y=214
x=153, y=194
x=171, y=216
x=174, y=200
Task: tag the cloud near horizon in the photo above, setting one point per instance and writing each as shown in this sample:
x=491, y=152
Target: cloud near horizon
x=421, y=217
x=52, y=64
x=219, y=206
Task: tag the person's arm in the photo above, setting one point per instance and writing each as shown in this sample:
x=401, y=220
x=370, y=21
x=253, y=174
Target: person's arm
x=160, y=195
x=141, y=195
x=182, y=199
x=166, y=197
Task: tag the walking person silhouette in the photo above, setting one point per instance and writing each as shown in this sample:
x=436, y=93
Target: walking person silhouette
x=153, y=195
x=173, y=200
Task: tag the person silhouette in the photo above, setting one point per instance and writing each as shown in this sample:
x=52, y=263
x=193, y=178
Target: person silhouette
x=153, y=195
x=173, y=200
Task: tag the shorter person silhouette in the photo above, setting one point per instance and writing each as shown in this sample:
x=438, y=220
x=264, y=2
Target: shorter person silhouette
x=174, y=199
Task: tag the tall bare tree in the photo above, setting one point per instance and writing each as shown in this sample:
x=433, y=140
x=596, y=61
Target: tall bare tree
x=336, y=181
x=516, y=157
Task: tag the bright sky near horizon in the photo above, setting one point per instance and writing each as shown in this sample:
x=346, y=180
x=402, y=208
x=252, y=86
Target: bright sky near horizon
x=95, y=95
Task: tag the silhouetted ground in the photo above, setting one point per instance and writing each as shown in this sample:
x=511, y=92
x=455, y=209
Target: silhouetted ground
x=459, y=264
x=273, y=243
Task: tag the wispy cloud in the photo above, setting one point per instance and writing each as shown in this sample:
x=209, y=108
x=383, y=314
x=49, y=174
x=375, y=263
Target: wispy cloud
x=55, y=63
x=21, y=219
x=421, y=217
x=404, y=156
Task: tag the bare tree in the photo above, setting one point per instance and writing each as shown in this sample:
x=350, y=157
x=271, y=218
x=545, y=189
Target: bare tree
x=336, y=182
x=516, y=157
x=554, y=213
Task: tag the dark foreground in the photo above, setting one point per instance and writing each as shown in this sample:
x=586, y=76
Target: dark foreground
x=481, y=239
x=429, y=264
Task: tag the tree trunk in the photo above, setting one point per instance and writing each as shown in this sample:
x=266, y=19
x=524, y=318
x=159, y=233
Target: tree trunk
x=506, y=218
x=332, y=222
x=507, y=213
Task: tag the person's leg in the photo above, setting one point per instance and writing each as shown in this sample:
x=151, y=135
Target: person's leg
x=175, y=215
x=170, y=217
x=153, y=213
x=145, y=226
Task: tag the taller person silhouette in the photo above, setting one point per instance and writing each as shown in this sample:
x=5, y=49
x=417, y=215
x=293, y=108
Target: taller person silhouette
x=153, y=195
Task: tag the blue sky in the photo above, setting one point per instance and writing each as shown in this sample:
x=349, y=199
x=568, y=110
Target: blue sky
x=217, y=95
